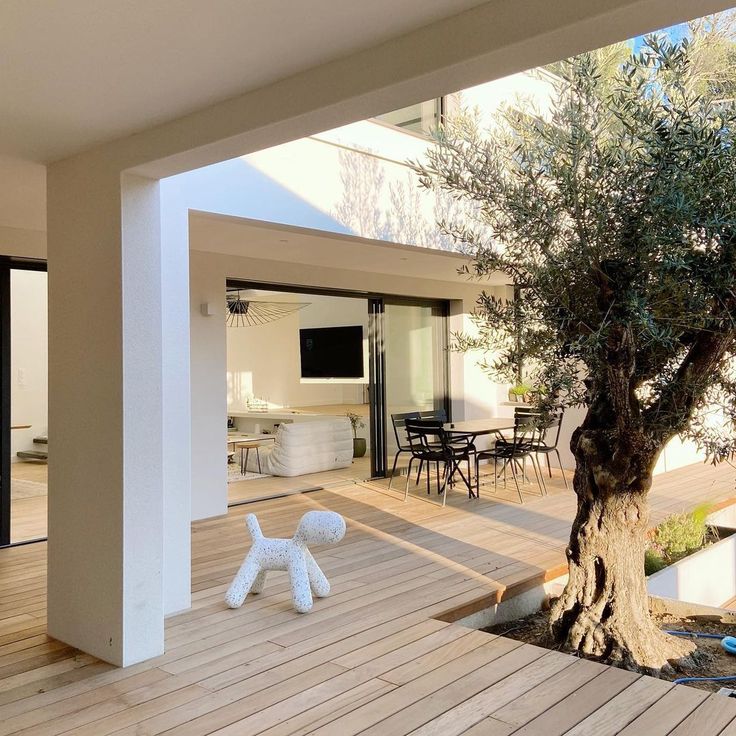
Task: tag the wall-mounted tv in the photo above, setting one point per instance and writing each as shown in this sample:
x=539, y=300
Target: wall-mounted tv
x=332, y=352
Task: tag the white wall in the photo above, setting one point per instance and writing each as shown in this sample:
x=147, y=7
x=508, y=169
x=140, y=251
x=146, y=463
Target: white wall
x=22, y=208
x=106, y=523
x=263, y=361
x=208, y=274
x=676, y=454
x=29, y=357
x=351, y=180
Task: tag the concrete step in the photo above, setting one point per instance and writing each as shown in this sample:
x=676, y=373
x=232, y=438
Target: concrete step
x=33, y=455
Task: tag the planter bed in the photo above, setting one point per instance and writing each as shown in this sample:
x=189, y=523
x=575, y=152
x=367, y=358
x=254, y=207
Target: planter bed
x=688, y=595
x=712, y=660
x=706, y=577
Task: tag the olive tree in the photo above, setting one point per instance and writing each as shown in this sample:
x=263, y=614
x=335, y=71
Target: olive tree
x=614, y=215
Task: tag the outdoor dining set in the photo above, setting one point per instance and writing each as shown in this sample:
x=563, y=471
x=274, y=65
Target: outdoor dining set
x=451, y=449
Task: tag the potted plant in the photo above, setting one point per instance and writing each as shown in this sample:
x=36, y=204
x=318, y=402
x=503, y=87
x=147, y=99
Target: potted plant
x=359, y=444
x=519, y=392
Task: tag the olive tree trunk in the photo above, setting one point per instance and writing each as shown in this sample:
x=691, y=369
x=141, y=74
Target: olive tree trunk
x=603, y=611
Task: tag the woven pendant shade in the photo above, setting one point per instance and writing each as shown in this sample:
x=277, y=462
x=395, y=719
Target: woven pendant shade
x=249, y=313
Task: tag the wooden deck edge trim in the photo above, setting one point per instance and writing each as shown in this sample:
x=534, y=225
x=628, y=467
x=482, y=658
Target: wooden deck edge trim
x=508, y=592
x=722, y=504
x=503, y=593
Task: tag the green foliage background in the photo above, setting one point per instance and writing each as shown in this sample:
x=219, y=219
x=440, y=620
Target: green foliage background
x=614, y=215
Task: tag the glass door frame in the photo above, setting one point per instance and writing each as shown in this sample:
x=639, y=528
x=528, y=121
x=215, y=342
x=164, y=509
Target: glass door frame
x=376, y=304
x=8, y=264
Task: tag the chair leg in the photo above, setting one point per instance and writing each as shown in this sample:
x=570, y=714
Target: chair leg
x=539, y=474
x=549, y=465
x=408, y=478
x=393, y=468
x=429, y=476
x=258, y=458
x=455, y=464
x=562, y=470
x=419, y=472
x=437, y=470
x=518, y=488
x=443, y=490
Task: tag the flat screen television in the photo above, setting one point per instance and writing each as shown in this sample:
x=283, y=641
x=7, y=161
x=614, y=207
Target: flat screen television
x=332, y=352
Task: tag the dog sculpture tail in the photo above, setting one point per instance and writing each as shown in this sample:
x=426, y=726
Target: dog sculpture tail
x=254, y=528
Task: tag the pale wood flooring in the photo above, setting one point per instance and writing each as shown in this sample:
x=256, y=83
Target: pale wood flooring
x=374, y=658
x=28, y=515
x=261, y=488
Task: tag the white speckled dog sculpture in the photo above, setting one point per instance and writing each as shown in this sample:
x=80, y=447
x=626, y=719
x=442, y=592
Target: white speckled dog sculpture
x=292, y=555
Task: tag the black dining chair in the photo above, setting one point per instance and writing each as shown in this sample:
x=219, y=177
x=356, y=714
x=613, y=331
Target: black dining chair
x=431, y=444
x=519, y=411
x=458, y=440
x=513, y=453
x=402, y=443
x=546, y=446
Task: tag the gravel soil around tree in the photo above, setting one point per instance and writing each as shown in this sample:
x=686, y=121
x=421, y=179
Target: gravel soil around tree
x=711, y=660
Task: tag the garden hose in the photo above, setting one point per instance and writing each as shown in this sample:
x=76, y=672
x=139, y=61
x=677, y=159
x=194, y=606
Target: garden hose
x=727, y=642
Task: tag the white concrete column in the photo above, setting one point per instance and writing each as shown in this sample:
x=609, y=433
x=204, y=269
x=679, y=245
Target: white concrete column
x=209, y=389
x=106, y=413
x=177, y=446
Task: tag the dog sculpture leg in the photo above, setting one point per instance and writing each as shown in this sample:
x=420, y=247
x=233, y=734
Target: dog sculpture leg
x=299, y=578
x=249, y=572
x=249, y=576
x=259, y=582
x=317, y=580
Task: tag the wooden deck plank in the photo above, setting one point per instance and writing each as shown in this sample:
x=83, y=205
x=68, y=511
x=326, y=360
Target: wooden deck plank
x=573, y=709
x=469, y=700
x=372, y=658
x=710, y=718
x=666, y=714
x=540, y=698
x=620, y=711
x=362, y=718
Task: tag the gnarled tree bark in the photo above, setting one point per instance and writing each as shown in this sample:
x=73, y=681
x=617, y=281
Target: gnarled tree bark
x=603, y=611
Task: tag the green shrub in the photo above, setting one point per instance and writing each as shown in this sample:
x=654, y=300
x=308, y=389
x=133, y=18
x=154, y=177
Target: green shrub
x=653, y=562
x=676, y=537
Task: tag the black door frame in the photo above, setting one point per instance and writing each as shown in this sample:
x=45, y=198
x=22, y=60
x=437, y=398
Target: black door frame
x=8, y=264
x=376, y=303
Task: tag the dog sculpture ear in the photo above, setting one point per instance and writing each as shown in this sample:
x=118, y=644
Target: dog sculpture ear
x=320, y=527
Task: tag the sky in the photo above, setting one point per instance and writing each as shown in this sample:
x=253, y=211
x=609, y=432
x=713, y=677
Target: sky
x=676, y=33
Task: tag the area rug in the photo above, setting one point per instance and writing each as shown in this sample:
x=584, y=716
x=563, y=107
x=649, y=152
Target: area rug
x=234, y=476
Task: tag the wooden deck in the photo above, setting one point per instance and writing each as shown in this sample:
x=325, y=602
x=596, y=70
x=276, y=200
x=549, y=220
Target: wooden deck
x=371, y=659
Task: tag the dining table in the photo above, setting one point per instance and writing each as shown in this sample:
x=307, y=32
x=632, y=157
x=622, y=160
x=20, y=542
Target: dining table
x=473, y=428
x=469, y=430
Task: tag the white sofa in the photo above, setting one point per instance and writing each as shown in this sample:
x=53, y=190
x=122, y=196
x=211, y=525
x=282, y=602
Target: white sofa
x=307, y=447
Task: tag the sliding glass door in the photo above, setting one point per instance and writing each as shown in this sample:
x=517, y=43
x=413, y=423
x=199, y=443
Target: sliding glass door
x=407, y=357
x=24, y=391
x=414, y=376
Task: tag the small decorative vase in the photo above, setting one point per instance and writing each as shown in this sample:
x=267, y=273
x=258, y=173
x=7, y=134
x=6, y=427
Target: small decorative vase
x=359, y=446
